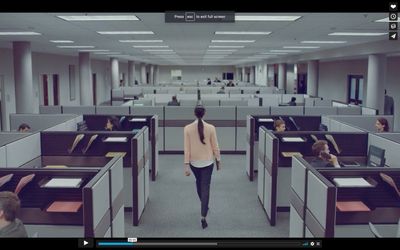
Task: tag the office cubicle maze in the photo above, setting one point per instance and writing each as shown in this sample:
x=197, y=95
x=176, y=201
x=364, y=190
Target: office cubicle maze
x=341, y=202
x=59, y=202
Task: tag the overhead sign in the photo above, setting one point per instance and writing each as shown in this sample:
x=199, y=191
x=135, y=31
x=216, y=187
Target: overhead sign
x=199, y=17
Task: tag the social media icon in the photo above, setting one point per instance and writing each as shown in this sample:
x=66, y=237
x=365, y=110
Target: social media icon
x=392, y=35
x=393, y=26
x=392, y=6
x=393, y=16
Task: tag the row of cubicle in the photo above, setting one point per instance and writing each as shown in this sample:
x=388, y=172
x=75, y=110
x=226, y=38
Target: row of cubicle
x=111, y=170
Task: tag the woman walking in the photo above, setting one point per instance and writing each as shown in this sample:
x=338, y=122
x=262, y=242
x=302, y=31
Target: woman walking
x=201, y=148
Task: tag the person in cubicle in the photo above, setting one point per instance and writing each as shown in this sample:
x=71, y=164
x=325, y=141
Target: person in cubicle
x=382, y=125
x=209, y=81
x=221, y=91
x=10, y=226
x=279, y=125
x=323, y=157
x=174, y=102
x=200, y=150
x=230, y=84
x=112, y=123
x=24, y=128
x=292, y=102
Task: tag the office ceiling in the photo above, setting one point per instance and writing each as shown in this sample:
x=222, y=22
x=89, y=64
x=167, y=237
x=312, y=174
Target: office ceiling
x=190, y=41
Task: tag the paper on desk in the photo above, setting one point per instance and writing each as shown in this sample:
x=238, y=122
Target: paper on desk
x=351, y=182
x=138, y=120
x=266, y=120
x=116, y=139
x=63, y=183
x=292, y=139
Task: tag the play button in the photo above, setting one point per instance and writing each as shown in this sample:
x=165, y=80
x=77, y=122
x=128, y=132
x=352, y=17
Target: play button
x=85, y=243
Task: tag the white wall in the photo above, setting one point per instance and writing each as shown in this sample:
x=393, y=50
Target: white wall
x=332, y=78
x=191, y=74
x=290, y=79
x=261, y=74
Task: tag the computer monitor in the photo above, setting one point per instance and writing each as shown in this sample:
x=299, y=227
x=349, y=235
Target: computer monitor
x=376, y=157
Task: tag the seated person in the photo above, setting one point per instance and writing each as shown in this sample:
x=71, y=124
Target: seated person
x=292, y=102
x=217, y=80
x=279, y=125
x=382, y=125
x=112, y=123
x=10, y=226
x=208, y=81
x=174, y=102
x=24, y=128
x=230, y=84
x=221, y=91
x=136, y=82
x=323, y=157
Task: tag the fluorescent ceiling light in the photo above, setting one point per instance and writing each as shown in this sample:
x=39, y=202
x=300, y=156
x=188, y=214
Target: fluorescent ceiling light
x=265, y=18
x=75, y=47
x=301, y=47
x=61, y=41
x=125, y=32
x=100, y=18
x=324, y=42
x=19, y=33
x=158, y=50
x=221, y=50
x=94, y=50
x=386, y=20
x=274, y=53
x=242, y=32
x=150, y=46
x=357, y=33
x=108, y=53
x=226, y=46
x=233, y=41
x=284, y=50
x=141, y=41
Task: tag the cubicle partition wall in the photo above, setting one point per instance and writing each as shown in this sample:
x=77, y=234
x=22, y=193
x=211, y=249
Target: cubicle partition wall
x=300, y=143
x=334, y=207
x=18, y=148
x=254, y=122
x=50, y=207
x=109, y=144
x=390, y=142
x=39, y=122
x=356, y=122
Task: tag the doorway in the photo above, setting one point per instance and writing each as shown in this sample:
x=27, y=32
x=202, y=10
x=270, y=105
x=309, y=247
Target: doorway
x=355, y=89
x=49, y=90
x=94, y=89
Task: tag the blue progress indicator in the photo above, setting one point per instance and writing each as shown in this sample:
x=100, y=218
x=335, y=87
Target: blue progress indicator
x=115, y=243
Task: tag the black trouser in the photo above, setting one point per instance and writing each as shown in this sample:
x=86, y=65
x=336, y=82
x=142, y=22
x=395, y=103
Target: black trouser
x=203, y=180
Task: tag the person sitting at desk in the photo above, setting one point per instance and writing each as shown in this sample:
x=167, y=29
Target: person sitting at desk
x=382, y=125
x=208, y=81
x=112, y=124
x=10, y=226
x=292, y=102
x=323, y=157
x=217, y=80
x=221, y=91
x=174, y=102
x=24, y=128
x=279, y=125
x=230, y=84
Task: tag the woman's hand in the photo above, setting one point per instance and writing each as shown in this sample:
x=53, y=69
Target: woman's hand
x=187, y=170
x=219, y=165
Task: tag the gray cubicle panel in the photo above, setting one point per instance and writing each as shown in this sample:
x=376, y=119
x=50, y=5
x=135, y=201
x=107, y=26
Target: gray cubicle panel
x=253, y=102
x=233, y=91
x=146, y=160
x=38, y=122
x=298, y=197
x=241, y=130
x=154, y=147
x=208, y=103
x=287, y=97
x=349, y=110
x=271, y=100
x=391, y=136
x=287, y=110
x=70, y=125
x=133, y=91
x=188, y=103
x=6, y=138
x=309, y=102
x=320, y=110
x=270, y=176
x=50, y=109
x=148, y=90
x=176, y=118
x=260, y=163
x=23, y=150
x=320, y=205
x=233, y=103
x=80, y=110
x=3, y=155
x=159, y=111
x=391, y=147
x=250, y=140
x=323, y=102
x=143, y=102
x=112, y=110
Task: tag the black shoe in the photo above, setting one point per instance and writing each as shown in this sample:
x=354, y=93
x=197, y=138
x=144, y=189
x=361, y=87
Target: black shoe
x=204, y=223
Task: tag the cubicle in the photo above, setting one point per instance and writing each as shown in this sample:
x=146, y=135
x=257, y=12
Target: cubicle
x=40, y=122
x=133, y=146
x=340, y=202
x=70, y=202
x=288, y=144
x=254, y=122
x=359, y=122
x=132, y=123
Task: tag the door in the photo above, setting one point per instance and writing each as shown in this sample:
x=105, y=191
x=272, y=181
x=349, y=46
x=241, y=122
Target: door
x=49, y=90
x=44, y=90
x=56, y=90
x=302, y=83
x=355, y=89
x=94, y=84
